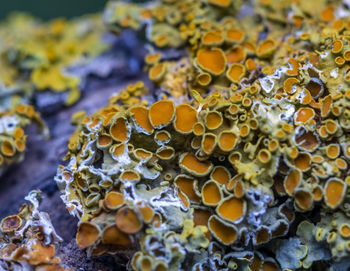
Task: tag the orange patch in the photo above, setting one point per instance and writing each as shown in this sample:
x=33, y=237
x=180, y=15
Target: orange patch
x=208, y=143
x=213, y=120
x=234, y=35
x=185, y=118
x=128, y=221
x=87, y=234
x=232, y=209
x=211, y=193
x=119, y=130
x=235, y=72
x=236, y=54
x=227, y=141
x=212, y=60
x=225, y=233
x=161, y=113
x=140, y=116
x=334, y=192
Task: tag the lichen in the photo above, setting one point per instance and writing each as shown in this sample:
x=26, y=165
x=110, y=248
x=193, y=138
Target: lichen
x=28, y=239
x=36, y=56
x=247, y=136
x=12, y=135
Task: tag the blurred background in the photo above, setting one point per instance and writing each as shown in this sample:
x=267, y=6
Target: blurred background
x=48, y=9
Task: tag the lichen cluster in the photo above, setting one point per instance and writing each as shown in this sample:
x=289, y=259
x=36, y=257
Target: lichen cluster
x=12, y=135
x=242, y=163
x=235, y=157
x=36, y=55
x=27, y=239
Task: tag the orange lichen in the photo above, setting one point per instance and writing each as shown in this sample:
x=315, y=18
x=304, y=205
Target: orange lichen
x=204, y=79
x=238, y=189
x=104, y=141
x=224, y=232
x=303, y=200
x=130, y=175
x=307, y=141
x=264, y=156
x=295, y=65
x=326, y=105
x=157, y=71
x=227, y=141
x=333, y=151
x=142, y=154
x=87, y=234
x=221, y=175
x=119, y=130
x=303, y=161
x=273, y=145
x=198, y=128
x=232, y=209
x=8, y=148
x=212, y=38
x=315, y=88
x=185, y=118
x=213, y=120
x=10, y=223
x=304, y=115
x=208, y=143
x=184, y=199
x=236, y=54
x=266, y=48
x=266, y=104
x=113, y=236
x=234, y=35
x=186, y=184
x=345, y=230
x=235, y=72
x=289, y=83
x=161, y=113
x=317, y=193
x=334, y=192
x=331, y=126
x=327, y=14
x=250, y=65
x=140, y=116
x=211, y=193
x=269, y=266
x=162, y=137
x=190, y=163
x=128, y=221
x=256, y=263
x=262, y=236
x=165, y=153
x=292, y=181
x=221, y=3
x=146, y=211
x=211, y=60
x=339, y=61
x=346, y=55
x=244, y=130
x=153, y=58
x=337, y=46
x=113, y=200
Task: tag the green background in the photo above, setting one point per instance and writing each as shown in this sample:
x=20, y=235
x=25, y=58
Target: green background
x=48, y=9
